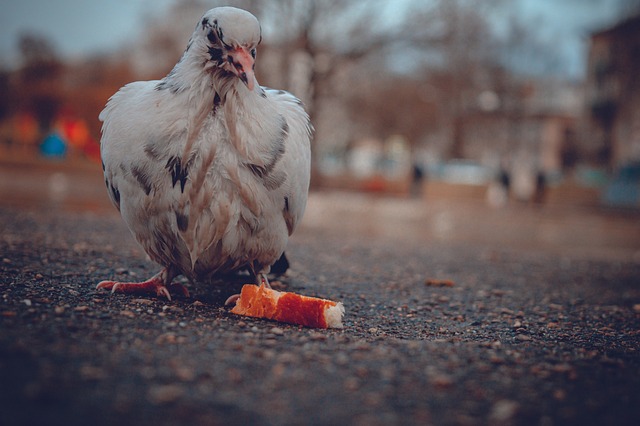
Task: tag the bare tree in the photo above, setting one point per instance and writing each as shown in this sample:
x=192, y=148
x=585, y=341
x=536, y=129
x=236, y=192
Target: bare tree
x=396, y=106
x=365, y=55
x=39, y=78
x=332, y=48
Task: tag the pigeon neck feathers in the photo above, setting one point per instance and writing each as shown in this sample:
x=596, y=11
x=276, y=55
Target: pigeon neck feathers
x=213, y=71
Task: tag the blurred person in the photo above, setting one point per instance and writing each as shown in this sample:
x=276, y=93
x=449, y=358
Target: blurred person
x=53, y=146
x=540, y=192
x=417, y=180
x=74, y=131
x=26, y=132
x=499, y=189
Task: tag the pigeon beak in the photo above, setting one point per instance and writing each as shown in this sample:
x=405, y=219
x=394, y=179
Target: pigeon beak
x=243, y=64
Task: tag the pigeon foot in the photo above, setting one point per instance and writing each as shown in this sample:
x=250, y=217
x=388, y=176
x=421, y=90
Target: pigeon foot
x=157, y=285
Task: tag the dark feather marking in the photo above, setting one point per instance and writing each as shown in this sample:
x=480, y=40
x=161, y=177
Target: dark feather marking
x=168, y=82
x=204, y=23
x=216, y=36
x=103, y=167
x=182, y=221
x=211, y=35
x=259, y=171
x=286, y=214
x=279, y=145
x=143, y=179
x=273, y=180
x=284, y=132
x=152, y=151
x=270, y=180
x=216, y=102
x=165, y=83
x=115, y=193
x=221, y=37
x=178, y=172
x=216, y=54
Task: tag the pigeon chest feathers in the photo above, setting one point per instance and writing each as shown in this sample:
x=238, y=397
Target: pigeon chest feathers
x=220, y=201
x=206, y=192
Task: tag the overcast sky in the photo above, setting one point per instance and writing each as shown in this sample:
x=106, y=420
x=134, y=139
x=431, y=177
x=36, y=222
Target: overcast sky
x=76, y=27
x=80, y=27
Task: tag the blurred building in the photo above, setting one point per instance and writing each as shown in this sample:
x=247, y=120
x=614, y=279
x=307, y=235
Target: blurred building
x=532, y=126
x=613, y=93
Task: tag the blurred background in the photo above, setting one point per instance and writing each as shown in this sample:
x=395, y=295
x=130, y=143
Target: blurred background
x=503, y=104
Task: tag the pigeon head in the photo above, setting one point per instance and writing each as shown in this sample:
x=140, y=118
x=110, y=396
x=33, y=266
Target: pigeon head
x=230, y=37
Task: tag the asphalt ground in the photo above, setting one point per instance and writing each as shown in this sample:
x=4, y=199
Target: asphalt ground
x=455, y=314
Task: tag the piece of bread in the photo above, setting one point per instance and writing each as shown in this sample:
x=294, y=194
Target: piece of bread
x=292, y=308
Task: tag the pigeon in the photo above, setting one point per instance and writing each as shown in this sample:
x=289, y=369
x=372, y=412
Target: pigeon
x=209, y=170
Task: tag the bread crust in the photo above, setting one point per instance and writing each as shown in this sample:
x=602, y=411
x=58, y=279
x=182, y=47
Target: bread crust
x=292, y=308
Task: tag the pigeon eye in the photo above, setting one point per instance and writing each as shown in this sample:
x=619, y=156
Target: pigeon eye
x=253, y=53
x=212, y=37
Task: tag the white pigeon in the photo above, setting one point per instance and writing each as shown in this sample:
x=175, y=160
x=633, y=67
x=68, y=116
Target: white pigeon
x=209, y=170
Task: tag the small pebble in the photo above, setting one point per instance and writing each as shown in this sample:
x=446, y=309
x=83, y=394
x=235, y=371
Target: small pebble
x=503, y=410
x=277, y=331
x=164, y=394
x=316, y=336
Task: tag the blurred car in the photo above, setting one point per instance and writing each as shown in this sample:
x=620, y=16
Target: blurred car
x=624, y=188
x=462, y=172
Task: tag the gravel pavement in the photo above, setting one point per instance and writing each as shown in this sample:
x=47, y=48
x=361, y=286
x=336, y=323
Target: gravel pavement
x=512, y=325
